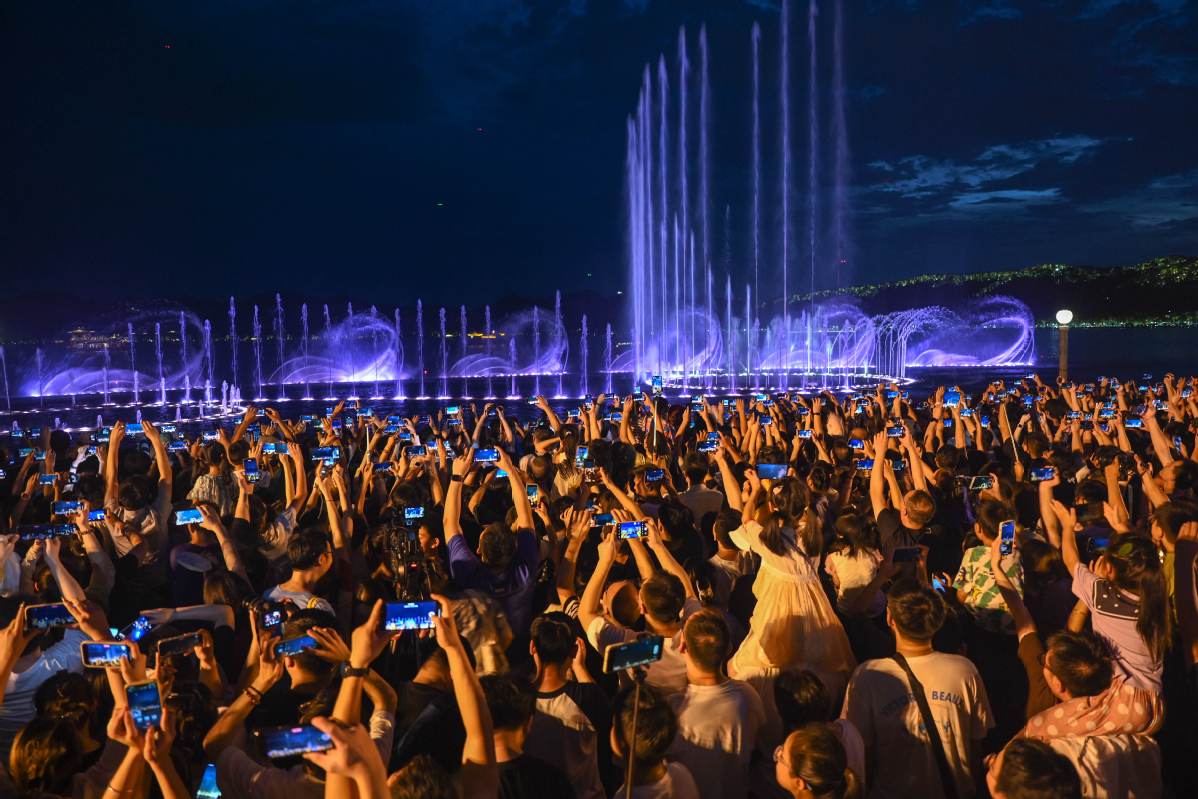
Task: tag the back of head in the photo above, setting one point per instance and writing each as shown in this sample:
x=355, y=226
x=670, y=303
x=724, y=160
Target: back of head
x=1031, y=769
x=46, y=755
x=695, y=468
x=1036, y=444
x=990, y=515
x=306, y=547
x=554, y=638
x=299, y=623
x=818, y=758
x=422, y=778
x=663, y=596
x=801, y=698
x=511, y=700
x=238, y=452
x=707, y=639
x=134, y=493
x=857, y=531
x=916, y=610
x=656, y=723
x=948, y=456
x=920, y=507
x=66, y=696
x=1081, y=661
x=725, y=522
x=498, y=546
x=1136, y=567
x=677, y=520
x=136, y=462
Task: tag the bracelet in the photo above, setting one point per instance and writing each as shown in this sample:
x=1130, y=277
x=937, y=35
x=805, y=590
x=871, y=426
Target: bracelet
x=254, y=694
x=455, y=478
x=122, y=790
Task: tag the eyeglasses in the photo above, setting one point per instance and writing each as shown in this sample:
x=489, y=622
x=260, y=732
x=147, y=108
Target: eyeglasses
x=780, y=756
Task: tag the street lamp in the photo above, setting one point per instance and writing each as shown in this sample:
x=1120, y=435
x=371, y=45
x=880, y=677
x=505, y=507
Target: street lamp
x=1063, y=319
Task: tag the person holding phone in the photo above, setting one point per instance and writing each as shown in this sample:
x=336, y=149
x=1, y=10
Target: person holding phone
x=977, y=589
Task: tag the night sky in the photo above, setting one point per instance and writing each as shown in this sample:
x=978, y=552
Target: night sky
x=461, y=151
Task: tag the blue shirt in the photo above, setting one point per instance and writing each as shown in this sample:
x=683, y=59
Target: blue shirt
x=512, y=588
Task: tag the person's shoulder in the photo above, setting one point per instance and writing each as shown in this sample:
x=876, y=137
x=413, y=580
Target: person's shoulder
x=682, y=784
x=956, y=664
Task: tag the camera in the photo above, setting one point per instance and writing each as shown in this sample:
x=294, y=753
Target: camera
x=407, y=564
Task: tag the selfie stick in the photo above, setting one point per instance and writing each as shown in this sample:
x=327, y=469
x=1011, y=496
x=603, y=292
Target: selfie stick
x=638, y=675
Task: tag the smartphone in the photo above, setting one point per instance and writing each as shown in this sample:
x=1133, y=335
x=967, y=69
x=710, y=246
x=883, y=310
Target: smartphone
x=615, y=416
x=179, y=645
x=104, y=655
x=134, y=429
x=326, y=453
x=938, y=584
x=39, y=532
x=629, y=530
x=1133, y=424
x=366, y=413
x=272, y=622
x=1074, y=415
x=48, y=479
x=533, y=492
x=251, y=470
x=145, y=704
x=211, y=435
x=1040, y=475
x=712, y=446
x=295, y=646
x=906, y=555
x=1006, y=535
x=657, y=385
x=487, y=455
x=635, y=653
x=602, y=519
x=767, y=420
x=411, y=615
x=384, y=466
x=864, y=464
x=97, y=515
x=25, y=452
x=336, y=425
x=44, y=617
x=895, y=432
x=192, y=516
x=63, y=508
x=1176, y=443
x=136, y=631
x=452, y=409
x=772, y=471
x=952, y=399
x=291, y=741
x=804, y=434
x=416, y=450
x=982, y=482
x=655, y=475
x=948, y=423
x=582, y=454
x=208, y=788
x=856, y=443
x=410, y=514
x=172, y=446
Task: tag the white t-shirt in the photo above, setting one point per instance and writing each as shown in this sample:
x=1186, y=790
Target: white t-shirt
x=727, y=572
x=18, y=707
x=677, y=783
x=854, y=573
x=302, y=599
x=278, y=534
x=881, y=706
x=717, y=731
x=1115, y=765
x=669, y=673
x=702, y=501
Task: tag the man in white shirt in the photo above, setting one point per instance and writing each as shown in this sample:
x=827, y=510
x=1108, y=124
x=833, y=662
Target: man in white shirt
x=667, y=600
x=697, y=496
x=718, y=718
x=880, y=703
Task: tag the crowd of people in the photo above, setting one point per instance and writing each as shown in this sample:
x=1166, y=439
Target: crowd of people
x=987, y=593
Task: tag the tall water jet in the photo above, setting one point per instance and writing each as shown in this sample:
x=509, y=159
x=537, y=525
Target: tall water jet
x=840, y=200
x=785, y=182
x=756, y=39
x=465, y=380
x=813, y=154
x=750, y=335
x=582, y=389
x=158, y=355
x=208, y=359
x=662, y=87
x=232, y=337
x=536, y=350
x=4, y=368
x=37, y=355
x=183, y=352
x=107, y=363
x=559, y=334
x=133, y=360
x=304, y=344
x=351, y=335
x=279, y=337
x=607, y=359
x=444, y=358
x=730, y=358
x=398, y=358
x=257, y=329
x=420, y=344
x=684, y=199
x=511, y=354
x=328, y=345
x=706, y=263
x=488, y=335
x=374, y=345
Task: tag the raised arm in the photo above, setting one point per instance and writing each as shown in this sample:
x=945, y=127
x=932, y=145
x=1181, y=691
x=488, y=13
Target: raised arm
x=1185, y=595
x=666, y=558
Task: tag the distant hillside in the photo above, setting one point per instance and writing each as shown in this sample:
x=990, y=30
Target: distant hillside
x=1160, y=291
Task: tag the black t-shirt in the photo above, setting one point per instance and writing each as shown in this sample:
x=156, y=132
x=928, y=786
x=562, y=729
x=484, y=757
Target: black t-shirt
x=892, y=529
x=427, y=721
x=527, y=777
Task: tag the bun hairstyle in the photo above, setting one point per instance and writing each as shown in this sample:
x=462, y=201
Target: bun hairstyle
x=789, y=503
x=818, y=758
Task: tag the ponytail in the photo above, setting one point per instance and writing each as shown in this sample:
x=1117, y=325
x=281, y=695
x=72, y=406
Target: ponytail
x=1136, y=568
x=788, y=501
x=818, y=758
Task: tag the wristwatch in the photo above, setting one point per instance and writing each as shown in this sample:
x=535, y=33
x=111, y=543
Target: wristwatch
x=455, y=478
x=349, y=671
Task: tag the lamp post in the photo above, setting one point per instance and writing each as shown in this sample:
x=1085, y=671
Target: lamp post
x=1063, y=319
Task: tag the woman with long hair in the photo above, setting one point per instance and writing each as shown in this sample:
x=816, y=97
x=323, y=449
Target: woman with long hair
x=793, y=624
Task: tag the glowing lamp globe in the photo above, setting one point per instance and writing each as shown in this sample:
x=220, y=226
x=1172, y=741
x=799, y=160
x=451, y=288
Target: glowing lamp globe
x=1064, y=317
